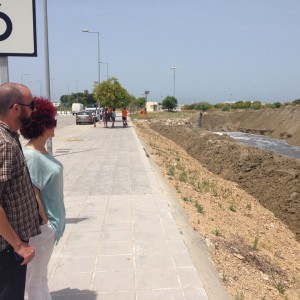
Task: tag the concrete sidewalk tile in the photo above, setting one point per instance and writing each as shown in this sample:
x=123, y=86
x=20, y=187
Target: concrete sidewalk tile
x=79, y=281
x=84, y=238
x=115, y=263
x=189, y=278
x=141, y=189
x=119, y=210
x=193, y=294
x=72, y=296
x=177, y=246
x=165, y=214
x=94, y=206
x=146, y=247
x=76, y=264
x=118, y=214
x=156, y=261
x=113, y=281
x=85, y=226
x=99, y=188
x=116, y=248
x=115, y=296
x=163, y=294
x=157, y=279
x=122, y=205
x=52, y=265
x=147, y=231
x=119, y=199
x=171, y=229
x=145, y=217
x=116, y=236
x=182, y=260
x=122, y=225
x=81, y=250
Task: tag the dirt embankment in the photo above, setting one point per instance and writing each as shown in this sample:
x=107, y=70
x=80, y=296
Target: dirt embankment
x=255, y=253
x=272, y=179
x=280, y=123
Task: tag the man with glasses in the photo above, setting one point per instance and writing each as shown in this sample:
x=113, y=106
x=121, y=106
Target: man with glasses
x=19, y=218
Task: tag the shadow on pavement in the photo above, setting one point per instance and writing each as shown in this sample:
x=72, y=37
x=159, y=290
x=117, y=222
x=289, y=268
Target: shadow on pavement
x=75, y=152
x=73, y=294
x=74, y=220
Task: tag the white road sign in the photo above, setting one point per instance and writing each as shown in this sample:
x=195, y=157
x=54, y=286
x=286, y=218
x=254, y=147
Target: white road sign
x=17, y=28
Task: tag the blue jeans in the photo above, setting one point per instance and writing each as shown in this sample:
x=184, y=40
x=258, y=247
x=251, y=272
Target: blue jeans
x=12, y=275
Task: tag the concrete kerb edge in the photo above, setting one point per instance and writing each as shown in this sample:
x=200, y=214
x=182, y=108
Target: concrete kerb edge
x=194, y=242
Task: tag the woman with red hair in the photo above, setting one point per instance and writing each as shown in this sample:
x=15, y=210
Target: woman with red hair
x=47, y=177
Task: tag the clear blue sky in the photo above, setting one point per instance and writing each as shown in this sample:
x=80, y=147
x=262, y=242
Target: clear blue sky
x=224, y=49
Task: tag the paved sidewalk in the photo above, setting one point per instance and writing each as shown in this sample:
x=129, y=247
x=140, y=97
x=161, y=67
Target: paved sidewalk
x=121, y=240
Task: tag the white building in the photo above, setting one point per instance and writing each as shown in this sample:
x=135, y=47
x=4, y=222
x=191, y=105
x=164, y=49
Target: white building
x=152, y=106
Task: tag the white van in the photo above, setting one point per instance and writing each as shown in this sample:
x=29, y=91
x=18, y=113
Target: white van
x=76, y=108
x=95, y=112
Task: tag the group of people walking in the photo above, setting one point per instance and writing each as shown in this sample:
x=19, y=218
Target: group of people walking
x=109, y=115
x=32, y=211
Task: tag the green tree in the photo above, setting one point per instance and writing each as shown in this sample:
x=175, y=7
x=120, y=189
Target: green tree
x=277, y=104
x=185, y=107
x=256, y=105
x=169, y=103
x=241, y=105
x=134, y=104
x=85, y=98
x=141, y=102
x=295, y=102
x=110, y=93
x=204, y=106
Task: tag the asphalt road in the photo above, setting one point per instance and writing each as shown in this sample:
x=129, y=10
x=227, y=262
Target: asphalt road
x=65, y=120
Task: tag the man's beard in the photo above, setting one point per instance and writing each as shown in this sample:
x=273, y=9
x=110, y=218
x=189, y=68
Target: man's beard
x=24, y=120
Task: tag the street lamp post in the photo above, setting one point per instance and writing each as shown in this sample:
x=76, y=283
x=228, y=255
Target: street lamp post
x=97, y=32
x=174, y=68
x=47, y=67
x=146, y=93
x=106, y=68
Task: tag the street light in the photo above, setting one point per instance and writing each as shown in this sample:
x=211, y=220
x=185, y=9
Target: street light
x=174, y=68
x=106, y=67
x=97, y=32
x=146, y=93
x=23, y=74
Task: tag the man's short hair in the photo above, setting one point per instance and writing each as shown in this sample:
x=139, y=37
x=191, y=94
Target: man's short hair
x=10, y=93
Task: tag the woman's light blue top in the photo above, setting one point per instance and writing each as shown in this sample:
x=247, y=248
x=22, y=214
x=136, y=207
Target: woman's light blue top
x=46, y=174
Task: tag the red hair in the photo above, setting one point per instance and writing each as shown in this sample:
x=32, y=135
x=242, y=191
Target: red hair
x=42, y=118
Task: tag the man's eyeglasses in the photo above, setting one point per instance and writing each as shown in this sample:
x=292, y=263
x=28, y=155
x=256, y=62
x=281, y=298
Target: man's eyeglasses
x=31, y=105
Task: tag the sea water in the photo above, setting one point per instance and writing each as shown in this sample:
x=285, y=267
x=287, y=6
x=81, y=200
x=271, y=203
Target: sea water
x=265, y=143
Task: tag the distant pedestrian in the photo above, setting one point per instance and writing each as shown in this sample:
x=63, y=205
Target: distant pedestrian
x=105, y=117
x=124, y=117
x=47, y=177
x=19, y=217
x=109, y=110
x=113, y=117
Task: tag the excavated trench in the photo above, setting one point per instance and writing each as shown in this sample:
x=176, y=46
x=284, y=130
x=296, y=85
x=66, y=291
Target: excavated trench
x=269, y=177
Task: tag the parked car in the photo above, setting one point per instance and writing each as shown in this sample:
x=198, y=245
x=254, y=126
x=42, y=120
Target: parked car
x=95, y=112
x=84, y=117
